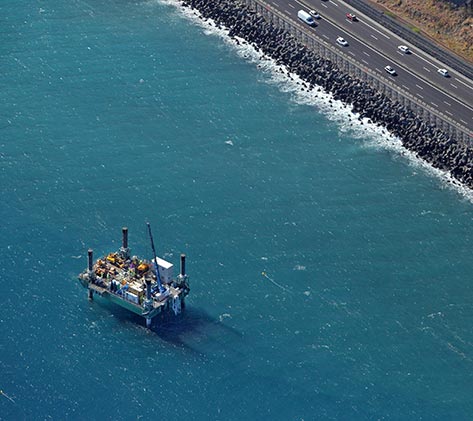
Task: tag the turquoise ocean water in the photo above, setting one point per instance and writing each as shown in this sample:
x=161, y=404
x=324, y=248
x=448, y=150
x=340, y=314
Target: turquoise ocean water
x=330, y=272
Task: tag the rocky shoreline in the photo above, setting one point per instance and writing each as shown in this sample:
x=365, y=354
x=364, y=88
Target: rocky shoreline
x=427, y=142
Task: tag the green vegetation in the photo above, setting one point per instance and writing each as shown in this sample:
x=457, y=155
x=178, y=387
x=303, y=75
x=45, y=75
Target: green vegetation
x=449, y=25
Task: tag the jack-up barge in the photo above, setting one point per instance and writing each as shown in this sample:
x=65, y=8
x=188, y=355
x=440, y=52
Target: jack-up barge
x=146, y=288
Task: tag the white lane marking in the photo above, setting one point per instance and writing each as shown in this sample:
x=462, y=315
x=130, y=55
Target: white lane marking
x=461, y=81
x=364, y=61
x=290, y=5
x=456, y=87
x=448, y=103
x=405, y=87
x=275, y=4
x=324, y=5
x=434, y=104
x=422, y=58
x=352, y=53
x=420, y=87
x=365, y=53
x=373, y=37
x=420, y=96
x=447, y=112
x=325, y=36
x=374, y=29
x=334, y=3
x=428, y=83
x=463, y=121
x=288, y=12
x=425, y=68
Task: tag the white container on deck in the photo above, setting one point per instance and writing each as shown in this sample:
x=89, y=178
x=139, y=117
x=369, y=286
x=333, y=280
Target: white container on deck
x=132, y=297
x=165, y=270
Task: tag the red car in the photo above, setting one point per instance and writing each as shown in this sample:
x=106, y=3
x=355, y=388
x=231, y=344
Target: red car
x=351, y=17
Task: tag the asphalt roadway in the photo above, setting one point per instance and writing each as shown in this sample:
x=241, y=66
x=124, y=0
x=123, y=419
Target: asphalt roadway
x=376, y=47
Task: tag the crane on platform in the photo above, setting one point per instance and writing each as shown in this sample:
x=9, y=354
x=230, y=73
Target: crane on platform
x=158, y=277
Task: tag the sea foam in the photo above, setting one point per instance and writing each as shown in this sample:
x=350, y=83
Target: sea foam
x=347, y=121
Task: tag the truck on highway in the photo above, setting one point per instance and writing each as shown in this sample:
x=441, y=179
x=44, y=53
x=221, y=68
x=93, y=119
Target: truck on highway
x=306, y=18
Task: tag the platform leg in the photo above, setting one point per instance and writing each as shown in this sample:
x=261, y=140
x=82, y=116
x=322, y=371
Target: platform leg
x=91, y=295
x=148, y=322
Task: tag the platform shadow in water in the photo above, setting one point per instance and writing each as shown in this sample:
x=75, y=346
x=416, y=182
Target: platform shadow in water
x=192, y=326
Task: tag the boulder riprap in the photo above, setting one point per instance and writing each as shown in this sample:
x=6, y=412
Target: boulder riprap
x=428, y=142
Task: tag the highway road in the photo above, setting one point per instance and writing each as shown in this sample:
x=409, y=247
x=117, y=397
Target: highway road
x=376, y=47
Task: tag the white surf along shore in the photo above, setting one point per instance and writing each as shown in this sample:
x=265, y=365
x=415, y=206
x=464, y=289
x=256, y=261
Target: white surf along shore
x=371, y=135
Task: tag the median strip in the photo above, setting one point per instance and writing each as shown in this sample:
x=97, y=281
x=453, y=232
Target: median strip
x=468, y=86
x=374, y=29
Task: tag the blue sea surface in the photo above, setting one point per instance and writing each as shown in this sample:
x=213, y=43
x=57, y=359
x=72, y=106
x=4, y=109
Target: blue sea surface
x=330, y=276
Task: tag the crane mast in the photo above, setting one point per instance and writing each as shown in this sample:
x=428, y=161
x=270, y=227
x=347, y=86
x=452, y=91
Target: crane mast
x=158, y=277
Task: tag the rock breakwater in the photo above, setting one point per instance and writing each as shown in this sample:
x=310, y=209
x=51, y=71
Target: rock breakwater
x=427, y=142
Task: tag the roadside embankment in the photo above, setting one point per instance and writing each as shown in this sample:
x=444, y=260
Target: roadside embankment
x=450, y=25
x=429, y=143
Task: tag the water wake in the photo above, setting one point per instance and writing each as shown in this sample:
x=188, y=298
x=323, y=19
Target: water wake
x=8, y=397
x=275, y=283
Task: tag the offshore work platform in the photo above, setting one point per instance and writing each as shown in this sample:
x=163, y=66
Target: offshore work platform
x=146, y=288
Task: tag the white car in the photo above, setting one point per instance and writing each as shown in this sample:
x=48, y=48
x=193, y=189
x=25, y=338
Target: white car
x=404, y=49
x=443, y=72
x=342, y=41
x=314, y=14
x=390, y=70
